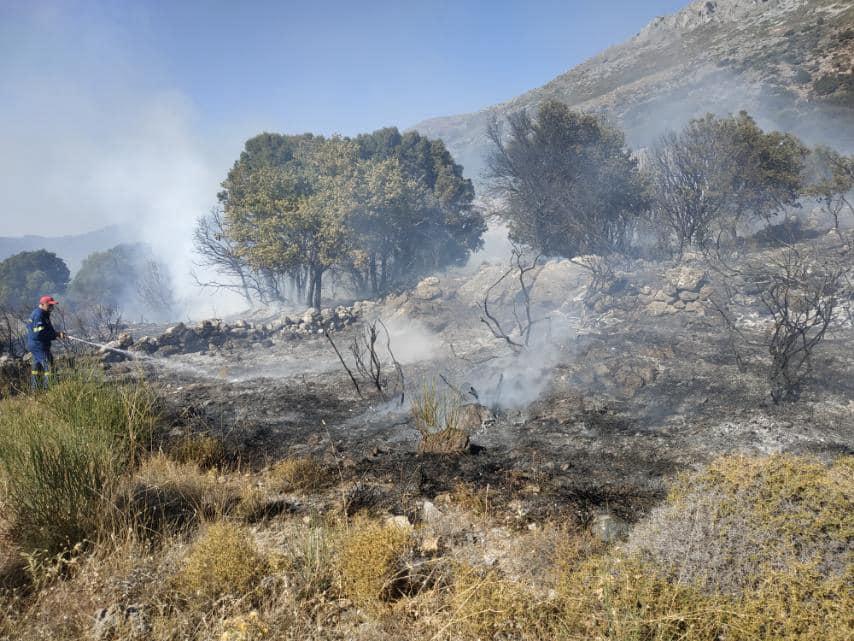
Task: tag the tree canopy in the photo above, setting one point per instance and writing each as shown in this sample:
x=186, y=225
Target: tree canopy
x=27, y=276
x=717, y=172
x=380, y=209
x=125, y=277
x=565, y=181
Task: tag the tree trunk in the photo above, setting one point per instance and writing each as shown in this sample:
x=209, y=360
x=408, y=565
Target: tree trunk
x=309, y=299
x=318, y=281
x=373, y=271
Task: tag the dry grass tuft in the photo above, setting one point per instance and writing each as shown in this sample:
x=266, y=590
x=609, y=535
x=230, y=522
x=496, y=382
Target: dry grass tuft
x=471, y=499
x=437, y=419
x=223, y=561
x=371, y=561
x=485, y=605
x=293, y=474
x=203, y=450
x=166, y=497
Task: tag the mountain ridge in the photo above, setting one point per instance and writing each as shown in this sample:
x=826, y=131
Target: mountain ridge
x=788, y=62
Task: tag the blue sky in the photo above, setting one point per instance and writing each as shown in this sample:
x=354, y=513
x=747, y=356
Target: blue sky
x=133, y=111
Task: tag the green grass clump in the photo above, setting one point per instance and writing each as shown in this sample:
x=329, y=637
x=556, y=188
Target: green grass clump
x=370, y=561
x=223, y=561
x=62, y=456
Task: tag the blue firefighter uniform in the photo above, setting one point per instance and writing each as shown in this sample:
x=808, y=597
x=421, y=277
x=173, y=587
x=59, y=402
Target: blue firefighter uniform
x=40, y=334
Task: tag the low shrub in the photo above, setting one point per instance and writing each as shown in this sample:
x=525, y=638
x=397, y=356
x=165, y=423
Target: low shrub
x=223, y=561
x=62, y=455
x=614, y=598
x=722, y=529
x=245, y=627
x=371, y=561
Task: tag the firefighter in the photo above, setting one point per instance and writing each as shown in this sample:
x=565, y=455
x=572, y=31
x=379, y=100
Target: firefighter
x=40, y=334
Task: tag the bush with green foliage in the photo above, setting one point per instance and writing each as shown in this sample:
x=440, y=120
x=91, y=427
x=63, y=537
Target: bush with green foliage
x=567, y=181
x=62, y=455
x=27, y=276
x=716, y=173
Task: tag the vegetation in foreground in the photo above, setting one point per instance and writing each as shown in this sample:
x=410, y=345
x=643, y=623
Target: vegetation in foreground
x=128, y=543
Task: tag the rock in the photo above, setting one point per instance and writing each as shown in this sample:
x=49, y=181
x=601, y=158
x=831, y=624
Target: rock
x=474, y=416
x=658, y=308
x=430, y=513
x=430, y=545
x=146, y=344
x=663, y=297
x=706, y=292
x=310, y=316
x=428, y=289
x=173, y=335
x=688, y=278
x=608, y=527
x=116, y=622
x=688, y=297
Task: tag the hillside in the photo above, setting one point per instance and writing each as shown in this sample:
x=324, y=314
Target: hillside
x=71, y=248
x=788, y=62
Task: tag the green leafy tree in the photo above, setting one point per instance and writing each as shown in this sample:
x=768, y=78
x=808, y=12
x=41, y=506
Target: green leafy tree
x=719, y=172
x=290, y=218
x=829, y=179
x=125, y=277
x=383, y=208
x=27, y=276
x=566, y=183
x=415, y=211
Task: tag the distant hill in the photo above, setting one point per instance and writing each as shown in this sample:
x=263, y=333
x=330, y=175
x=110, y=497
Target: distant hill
x=790, y=63
x=72, y=249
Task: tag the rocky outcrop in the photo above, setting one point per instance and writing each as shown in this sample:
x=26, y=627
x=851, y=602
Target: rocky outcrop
x=686, y=289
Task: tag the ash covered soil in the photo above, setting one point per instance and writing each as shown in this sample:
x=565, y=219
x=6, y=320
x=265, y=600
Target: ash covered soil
x=619, y=392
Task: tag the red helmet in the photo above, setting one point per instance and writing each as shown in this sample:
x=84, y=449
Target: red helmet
x=48, y=300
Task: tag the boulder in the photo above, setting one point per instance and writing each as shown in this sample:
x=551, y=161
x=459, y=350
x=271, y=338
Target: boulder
x=688, y=278
x=428, y=289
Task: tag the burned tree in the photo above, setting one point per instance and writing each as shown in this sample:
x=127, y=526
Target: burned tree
x=517, y=338
x=370, y=365
x=218, y=252
x=802, y=294
x=719, y=172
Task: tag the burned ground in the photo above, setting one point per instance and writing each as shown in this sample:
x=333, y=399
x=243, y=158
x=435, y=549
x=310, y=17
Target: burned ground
x=612, y=406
